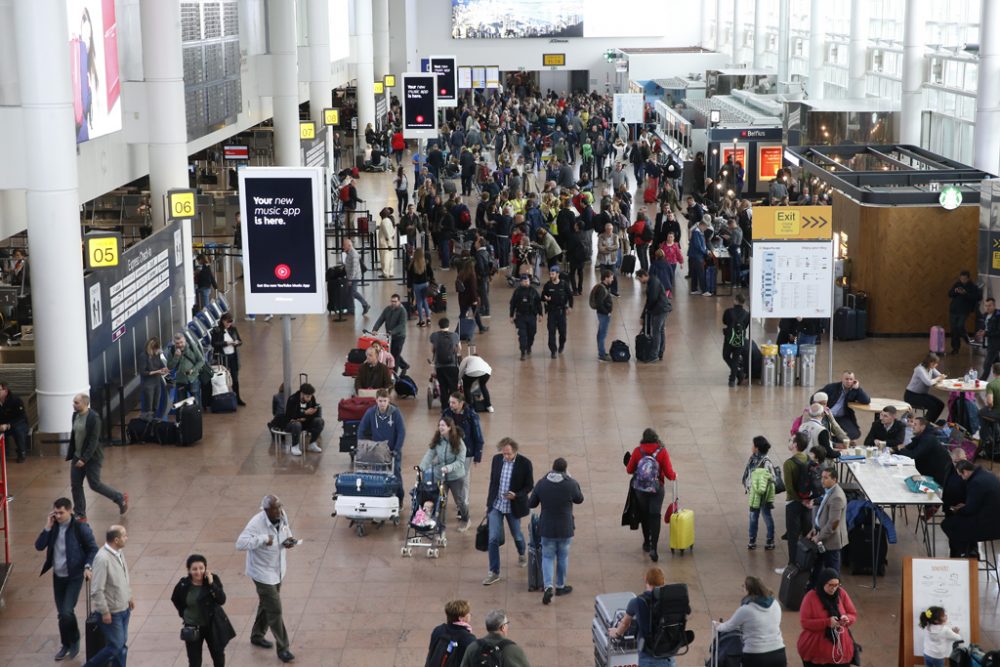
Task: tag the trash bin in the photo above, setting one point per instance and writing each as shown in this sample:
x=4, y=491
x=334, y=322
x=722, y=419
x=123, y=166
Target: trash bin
x=769, y=369
x=807, y=365
x=788, y=364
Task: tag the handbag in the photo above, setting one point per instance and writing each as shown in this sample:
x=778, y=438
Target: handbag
x=779, y=482
x=856, y=658
x=672, y=509
x=190, y=633
x=483, y=535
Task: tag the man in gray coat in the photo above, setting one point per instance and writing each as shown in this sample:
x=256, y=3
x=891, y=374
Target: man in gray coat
x=830, y=525
x=557, y=492
x=86, y=454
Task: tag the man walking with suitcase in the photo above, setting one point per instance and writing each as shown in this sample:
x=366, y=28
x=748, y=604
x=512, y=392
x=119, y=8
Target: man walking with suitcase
x=70, y=549
x=112, y=597
x=265, y=539
x=86, y=454
x=654, y=315
x=557, y=492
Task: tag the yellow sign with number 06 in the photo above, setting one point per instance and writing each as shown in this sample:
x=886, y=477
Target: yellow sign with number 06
x=181, y=203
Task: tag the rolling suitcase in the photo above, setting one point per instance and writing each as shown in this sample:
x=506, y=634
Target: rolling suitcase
x=367, y=508
x=644, y=347
x=628, y=265
x=188, y=424
x=354, y=408
x=850, y=322
x=859, y=551
x=92, y=628
x=349, y=440
x=711, y=278
x=681, y=526
x=406, y=387
x=937, y=340
x=351, y=369
x=794, y=584
x=535, y=578
x=369, y=484
x=223, y=402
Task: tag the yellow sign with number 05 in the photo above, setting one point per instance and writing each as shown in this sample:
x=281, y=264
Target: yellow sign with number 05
x=181, y=204
x=102, y=252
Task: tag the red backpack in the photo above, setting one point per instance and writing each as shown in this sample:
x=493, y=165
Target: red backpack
x=345, y=193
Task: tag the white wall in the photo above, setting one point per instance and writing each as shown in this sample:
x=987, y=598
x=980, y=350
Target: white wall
x=434, y=37
x=663, y=65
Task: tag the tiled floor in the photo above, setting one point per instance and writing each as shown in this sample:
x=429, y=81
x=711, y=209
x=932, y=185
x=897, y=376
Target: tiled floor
x=354, y=601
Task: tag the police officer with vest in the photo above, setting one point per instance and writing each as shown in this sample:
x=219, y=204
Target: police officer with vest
x=558, y=298
x=525, y=306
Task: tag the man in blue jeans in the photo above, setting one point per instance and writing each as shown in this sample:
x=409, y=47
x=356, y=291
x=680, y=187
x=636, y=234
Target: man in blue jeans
x=112, y=599
x=69, y=548
x=600, y=300
x=557, y=492
x=510, y=483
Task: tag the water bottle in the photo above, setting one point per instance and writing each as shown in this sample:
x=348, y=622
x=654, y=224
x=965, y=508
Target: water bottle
x=975, y=375
x=968, y=375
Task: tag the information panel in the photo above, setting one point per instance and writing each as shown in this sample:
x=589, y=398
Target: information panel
x=792, y=279
x=419, y=105
x=282, y=221
x=628, y=106
x=479, y=78
x=444, y=67
x=492, y=76
x=464, y=77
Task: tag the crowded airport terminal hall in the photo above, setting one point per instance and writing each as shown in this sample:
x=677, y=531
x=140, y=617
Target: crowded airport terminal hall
x=500, y=333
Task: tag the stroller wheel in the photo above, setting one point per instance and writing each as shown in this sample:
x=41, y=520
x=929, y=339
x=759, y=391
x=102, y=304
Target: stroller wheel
x=442, y=541
x=360, y=528
x=405, y=552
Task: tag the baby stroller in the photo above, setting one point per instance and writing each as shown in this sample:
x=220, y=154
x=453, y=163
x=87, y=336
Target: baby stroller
x=428, y=504
x=433, y=391
x=367, y=494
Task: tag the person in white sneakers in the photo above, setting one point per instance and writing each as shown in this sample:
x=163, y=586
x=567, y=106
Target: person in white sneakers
x=302, y=413
x=474, y=369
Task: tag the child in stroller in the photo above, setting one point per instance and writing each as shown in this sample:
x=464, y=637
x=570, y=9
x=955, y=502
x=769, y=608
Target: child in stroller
x=428, y=501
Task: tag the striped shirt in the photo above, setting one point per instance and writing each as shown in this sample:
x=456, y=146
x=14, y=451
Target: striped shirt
x=502, y=504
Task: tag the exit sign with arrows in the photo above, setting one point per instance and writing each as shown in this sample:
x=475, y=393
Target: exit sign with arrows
x=793, y=223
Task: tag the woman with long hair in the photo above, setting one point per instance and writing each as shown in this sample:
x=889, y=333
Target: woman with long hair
x=418, y=276
x=445, y=460
x=649, y=465
x=759, y=621
x=401, y=185
x=153, y=369
x=918, y=391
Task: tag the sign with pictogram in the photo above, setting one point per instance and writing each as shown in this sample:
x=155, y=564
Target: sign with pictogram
x=793, y=223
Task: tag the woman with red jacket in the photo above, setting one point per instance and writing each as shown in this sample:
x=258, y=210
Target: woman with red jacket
x=826, y=614
x=649, y=465
x=398, y=145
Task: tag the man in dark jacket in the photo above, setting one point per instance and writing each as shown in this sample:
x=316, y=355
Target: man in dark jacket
x=991, y=334
x=736, y=344
x=557, y=492
x=525, y=307
x=654, y=313
x=558, y=298
x=13, y=420
x=484, y=650
x=450, y=640
x=302, y=413
x=975, y=520
x=665, y=223
x=511, y=481
x=887, y=430
x=840, y=395
x=70, y=548
x=928, y=454
x=86, y=453
x=600, y=300
x=964, y=295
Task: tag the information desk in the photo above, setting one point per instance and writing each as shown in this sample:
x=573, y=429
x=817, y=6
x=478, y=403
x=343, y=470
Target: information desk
x=885, y=487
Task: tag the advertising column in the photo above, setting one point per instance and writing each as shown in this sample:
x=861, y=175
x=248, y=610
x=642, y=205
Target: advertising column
x=419, y=99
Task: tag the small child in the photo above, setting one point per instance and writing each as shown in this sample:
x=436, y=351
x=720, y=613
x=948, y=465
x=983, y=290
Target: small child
x=424, y=515
x=759, y=482
x=938, y=638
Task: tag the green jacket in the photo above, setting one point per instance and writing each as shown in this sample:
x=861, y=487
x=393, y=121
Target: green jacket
x=513, y=655
x=441, y=456
x=761, y=487
x=187, y=365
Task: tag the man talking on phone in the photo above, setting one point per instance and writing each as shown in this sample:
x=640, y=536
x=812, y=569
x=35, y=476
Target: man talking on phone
x=265, y=539
x=841, y=395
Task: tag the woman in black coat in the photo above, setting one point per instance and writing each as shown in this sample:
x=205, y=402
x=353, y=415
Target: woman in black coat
x=226, y=344
x=198, y=598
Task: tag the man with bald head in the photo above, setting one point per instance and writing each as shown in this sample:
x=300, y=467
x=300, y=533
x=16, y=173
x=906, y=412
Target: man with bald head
x=86, y=454
x=112, y=598
x=265, y=539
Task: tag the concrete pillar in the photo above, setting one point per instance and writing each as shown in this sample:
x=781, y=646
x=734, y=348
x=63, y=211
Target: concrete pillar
x=365, y=64
x=720, y=15
x=858, y=53
x=987, y=137
x=163, y=68
x=285, y=73
x=759, y=37
x=739, y=6
x=817, y=44
x=52, y=203
x=913, y=72
x=380, y=38
x=784, y=34
x=412, y=59
x=318, y=12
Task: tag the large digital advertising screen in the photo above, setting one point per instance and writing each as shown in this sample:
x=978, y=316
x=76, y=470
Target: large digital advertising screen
x=93, y=54
x=282, y=224
x=419, y=97
x=514, y=19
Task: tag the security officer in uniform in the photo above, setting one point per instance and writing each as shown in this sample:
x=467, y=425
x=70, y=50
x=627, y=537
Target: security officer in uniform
x=525, y=306
x=558, y=298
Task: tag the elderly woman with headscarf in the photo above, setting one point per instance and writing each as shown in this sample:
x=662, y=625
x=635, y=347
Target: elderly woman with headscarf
x=826, y=615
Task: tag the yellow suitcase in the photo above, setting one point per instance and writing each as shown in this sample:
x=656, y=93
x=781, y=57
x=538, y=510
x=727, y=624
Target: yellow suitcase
x=681, y=527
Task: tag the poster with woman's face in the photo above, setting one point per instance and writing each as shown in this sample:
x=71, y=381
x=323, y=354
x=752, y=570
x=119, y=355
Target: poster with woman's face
x=93, y=53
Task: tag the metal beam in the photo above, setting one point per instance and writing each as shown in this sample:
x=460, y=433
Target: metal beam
x=891, y=160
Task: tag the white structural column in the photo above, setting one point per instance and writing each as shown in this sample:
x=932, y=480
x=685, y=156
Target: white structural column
x=858, y=54
x=987, y=137
x=285, y=84
x=163, y=68
x=52, y=203
x=365, y=65
x=720, y=16
x=380, y=38
x=759, y=37
x=410, y=21
x=913, y=71
x=318, y=12
x=784, y=35
x=706, y=25
x=817, y=43
x=739, y=6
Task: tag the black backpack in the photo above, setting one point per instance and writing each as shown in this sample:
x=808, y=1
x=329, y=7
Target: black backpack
x=668, y=608
x=737, y=334
x=444, y=350
x=488, y=654
x=808, y=484
x=444, y=653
